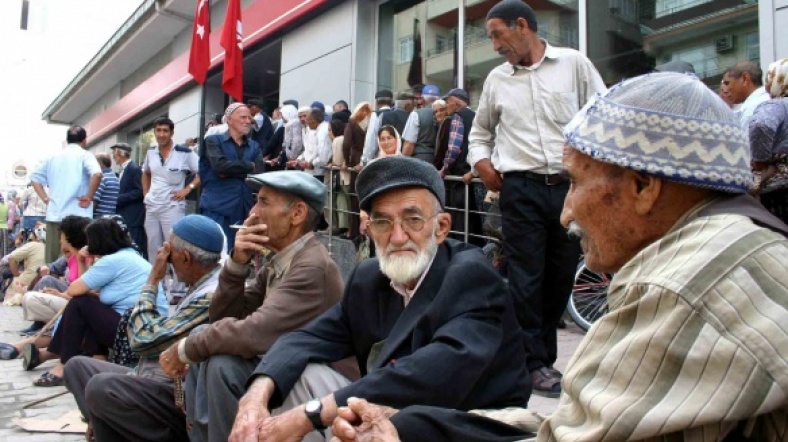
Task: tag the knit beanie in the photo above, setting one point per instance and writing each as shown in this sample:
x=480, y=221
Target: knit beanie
x=669, y=125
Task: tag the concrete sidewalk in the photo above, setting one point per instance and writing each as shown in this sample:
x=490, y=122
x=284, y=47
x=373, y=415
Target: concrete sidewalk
x=16, y=388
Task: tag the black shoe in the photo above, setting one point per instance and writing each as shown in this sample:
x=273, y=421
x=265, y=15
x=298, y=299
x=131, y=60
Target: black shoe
x=34, y=328
x=31, y=358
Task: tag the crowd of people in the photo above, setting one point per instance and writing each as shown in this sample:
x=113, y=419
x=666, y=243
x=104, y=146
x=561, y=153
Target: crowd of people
x=678, y=190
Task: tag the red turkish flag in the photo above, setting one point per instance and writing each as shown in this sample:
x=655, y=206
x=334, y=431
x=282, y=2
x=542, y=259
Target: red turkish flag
x=200, y=53
x=232, y=35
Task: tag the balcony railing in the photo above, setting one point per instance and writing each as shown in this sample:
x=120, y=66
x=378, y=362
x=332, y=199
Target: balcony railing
x=475, y=36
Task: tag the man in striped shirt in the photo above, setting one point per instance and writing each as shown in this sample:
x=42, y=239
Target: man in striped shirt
x=695, y=344
x=106, y=196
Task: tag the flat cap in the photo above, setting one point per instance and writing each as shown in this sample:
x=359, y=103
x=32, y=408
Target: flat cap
x=405, y=95
x=201, y=232
x=296, y=182
x=395, y=172
x=384, y=93
x=122, y=146
x=459, y=93
x=291, y=102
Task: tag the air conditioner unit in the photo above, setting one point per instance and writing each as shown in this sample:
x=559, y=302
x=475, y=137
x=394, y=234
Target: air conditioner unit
x=724, y=43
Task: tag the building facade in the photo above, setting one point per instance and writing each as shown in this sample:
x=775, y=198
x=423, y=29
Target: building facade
x=329, y=50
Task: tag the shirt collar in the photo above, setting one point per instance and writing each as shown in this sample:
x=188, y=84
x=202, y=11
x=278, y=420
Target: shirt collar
x=125, y=163
x=756, y=95
x=408, y=294
x=549, y=52
x=227, y=137
x=281, y=260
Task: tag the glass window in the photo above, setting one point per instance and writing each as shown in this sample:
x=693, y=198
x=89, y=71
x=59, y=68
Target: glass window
x=753, y=47
x=405, y=49
x=626, y=38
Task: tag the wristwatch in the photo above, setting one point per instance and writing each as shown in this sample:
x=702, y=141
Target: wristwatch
x=191, y=186
x=312, y=410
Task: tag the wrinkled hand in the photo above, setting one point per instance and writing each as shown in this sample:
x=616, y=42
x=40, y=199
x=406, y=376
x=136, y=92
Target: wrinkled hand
x=372, y=423
x=491, y=178
x=251, y=415
x=85, y=201
x=287, y=427
x=160, y=264
x=444, y=172
x=251, y=240
x=171, y=364
x=292, y=164
x=43, y=271
x=467, y=178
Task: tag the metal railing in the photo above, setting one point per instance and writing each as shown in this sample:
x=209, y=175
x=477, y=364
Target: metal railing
x=464, y=212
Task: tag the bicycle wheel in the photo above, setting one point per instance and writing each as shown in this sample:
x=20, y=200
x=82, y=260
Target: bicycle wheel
x=588, y=301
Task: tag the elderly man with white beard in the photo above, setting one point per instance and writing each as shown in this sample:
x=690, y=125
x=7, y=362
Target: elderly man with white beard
x=429, y=322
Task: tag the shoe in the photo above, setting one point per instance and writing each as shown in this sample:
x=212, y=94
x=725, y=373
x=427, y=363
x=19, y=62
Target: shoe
x=8, y=351
x=546, y=382
x=48, y=380
x=34, y=328
x=30, y=357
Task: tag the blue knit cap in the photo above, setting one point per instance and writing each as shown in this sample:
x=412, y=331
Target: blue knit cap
x=669, y=125
x=200, y=231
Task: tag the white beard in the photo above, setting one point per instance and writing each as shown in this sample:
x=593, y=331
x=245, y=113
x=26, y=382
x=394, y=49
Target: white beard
x=404, y=269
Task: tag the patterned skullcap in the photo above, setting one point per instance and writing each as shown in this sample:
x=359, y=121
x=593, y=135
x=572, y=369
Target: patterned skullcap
x=777, y=78
x=668, y=125
x=231, y=108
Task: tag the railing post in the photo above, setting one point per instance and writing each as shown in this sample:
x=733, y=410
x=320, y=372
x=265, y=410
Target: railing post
x=465, y=213
x=330, y=209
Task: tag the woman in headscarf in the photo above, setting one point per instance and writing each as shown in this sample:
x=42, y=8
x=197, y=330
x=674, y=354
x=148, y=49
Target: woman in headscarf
x=389, y=142
x=769, y=142
x=352, y=148
x=112, y=274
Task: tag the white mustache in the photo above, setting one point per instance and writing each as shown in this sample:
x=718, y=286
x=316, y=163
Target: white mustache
x=575, y=231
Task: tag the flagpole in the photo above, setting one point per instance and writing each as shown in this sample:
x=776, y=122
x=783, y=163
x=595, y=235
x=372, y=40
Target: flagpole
x=461, y=43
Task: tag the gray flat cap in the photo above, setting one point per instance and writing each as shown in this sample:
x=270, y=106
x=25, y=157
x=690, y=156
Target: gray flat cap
x=395, y=172
x=300, y=184
x=121, y=146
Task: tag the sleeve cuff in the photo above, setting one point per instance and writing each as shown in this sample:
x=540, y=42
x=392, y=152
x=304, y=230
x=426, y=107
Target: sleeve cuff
x=182, y=352
x=236, y=268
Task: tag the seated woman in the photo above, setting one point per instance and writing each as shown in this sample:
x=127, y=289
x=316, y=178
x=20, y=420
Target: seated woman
x=23, y=262
x=114, y=273
x=48, y=296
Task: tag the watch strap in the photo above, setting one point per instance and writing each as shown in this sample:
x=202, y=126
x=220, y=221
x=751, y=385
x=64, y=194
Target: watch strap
x=314, y=416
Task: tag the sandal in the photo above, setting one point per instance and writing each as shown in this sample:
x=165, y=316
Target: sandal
x=546, y=382
x=31, y=358
x=8, y=351
x=48, y=380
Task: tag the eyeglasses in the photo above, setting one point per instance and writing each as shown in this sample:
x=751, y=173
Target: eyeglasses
x=409, y=224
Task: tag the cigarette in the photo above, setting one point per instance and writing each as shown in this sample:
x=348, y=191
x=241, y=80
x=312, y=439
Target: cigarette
x=237, y=226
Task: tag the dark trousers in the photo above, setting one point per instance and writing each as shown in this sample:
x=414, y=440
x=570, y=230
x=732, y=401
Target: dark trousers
x=422, y=423
x=542, y=261
x=87, y=327
x=123, y=407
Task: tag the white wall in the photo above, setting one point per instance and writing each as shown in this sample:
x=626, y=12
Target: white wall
x=317, y=58
x=773, y=16
x=185, y=113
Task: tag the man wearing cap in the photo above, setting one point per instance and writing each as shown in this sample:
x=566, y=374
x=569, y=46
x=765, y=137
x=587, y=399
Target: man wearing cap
x=695, y=345
x=384, y=99
x=229, y=157
x=341, y=111
x=130, y=205
x=420, y=132
x=515, y=146
x=164, y=184
x=124, y=404
x=299, y=282
x=262, y=130
x=429, y=322
x=455, y=163
x=71, y=178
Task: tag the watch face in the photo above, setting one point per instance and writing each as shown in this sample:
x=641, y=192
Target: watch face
x=312, y=405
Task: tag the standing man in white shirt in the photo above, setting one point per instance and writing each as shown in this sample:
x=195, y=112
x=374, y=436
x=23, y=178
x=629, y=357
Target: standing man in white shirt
x=744, y=83
x=164, y=187
x=516, y=145
x=72, y=175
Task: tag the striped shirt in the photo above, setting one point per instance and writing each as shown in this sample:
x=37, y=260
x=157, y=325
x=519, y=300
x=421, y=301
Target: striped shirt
x=106, y=196
x=150, y=333
x=695, y=345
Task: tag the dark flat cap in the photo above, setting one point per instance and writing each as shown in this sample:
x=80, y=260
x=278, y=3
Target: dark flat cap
x=293, y=103
x=300, y=184
x=395, y=172
x=459, y=93
x=384, y=93
x=405, y=95
x=122, y=146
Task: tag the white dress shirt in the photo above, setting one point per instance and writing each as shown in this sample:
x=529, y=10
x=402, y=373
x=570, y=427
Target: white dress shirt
x=747, y=107
x=522, y=111
x=317, y=149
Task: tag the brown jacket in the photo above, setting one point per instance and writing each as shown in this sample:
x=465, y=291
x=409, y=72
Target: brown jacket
x=353, y=145
x=247, y=322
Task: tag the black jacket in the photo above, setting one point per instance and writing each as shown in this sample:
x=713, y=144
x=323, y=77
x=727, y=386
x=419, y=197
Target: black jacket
x=456, y=345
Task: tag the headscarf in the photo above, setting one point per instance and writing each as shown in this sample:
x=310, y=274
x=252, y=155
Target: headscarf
x=381, y=153
x=777, y=78
x=365, y=106
x=289, y=113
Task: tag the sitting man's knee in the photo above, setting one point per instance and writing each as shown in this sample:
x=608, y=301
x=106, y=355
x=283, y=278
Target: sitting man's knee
x=100, y=392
